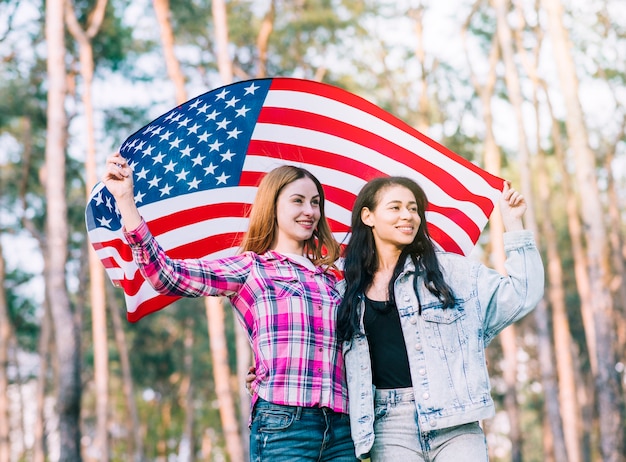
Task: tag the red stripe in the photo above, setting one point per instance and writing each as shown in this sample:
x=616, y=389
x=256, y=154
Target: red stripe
x=185, y=217
x=304, y=154
x=446, y=242
x=211, y=244
x=122, y=248
x=150, y=306
x=470, y=228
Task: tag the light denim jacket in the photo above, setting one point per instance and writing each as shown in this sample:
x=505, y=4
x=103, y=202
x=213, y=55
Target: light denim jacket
x=446, y=347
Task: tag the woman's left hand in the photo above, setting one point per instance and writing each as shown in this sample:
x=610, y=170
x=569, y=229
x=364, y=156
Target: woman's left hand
x=512, y=207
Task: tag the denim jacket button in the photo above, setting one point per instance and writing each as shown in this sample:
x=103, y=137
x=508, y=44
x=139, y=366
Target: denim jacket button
x=418, y=346
x=413, y=320
x=422, y=371
x=426, y=395
x=433, y=423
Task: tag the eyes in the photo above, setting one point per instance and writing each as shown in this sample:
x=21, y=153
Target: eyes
x=299, y=200
x=410, y=208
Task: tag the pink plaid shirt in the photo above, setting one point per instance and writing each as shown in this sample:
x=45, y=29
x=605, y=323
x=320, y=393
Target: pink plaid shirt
x=288, y=311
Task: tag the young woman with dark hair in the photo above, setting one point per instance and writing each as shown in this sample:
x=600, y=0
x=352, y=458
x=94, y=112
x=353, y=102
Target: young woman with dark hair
x=415, y=321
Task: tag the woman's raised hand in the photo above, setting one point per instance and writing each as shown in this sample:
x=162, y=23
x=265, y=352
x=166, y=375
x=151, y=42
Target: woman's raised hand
x=118, y=178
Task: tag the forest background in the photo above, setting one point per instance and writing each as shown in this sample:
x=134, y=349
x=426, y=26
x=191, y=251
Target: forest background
x=532, y=91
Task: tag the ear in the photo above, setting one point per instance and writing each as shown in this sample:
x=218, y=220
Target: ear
x=366, y=217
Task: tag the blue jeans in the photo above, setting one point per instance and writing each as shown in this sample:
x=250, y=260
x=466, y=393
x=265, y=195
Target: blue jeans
x=292, y=433
x=400, y=438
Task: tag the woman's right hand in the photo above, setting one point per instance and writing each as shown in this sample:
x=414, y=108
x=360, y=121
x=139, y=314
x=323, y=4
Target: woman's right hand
x=249, y=379
x=118, y=178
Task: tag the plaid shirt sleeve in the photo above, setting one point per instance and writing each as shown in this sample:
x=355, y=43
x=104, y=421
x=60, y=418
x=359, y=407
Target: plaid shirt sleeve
x=187, y=278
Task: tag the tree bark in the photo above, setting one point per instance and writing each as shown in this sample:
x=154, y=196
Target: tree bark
x=133, y=426
x=608, y=390
x=66, y=333
x=563, y=342
x=541, y=311
x=492, y=161
x=263, y=38
x=100, y=445
x=5, y=337
x=423, y=105
x=236, y=445
x=221, y=373
x=43, y=351
x=583, y=284
x=174, y=71
x=220, y=22
x=186, y=448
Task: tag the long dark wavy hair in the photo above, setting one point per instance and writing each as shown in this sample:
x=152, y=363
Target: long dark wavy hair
x=361, y=256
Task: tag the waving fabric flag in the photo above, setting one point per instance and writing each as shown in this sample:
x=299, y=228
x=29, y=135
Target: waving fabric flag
x=196, y=169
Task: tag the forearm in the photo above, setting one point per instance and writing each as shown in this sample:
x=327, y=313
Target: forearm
x=131, y=217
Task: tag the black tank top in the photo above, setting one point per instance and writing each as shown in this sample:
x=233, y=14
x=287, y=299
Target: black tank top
x=390, y=363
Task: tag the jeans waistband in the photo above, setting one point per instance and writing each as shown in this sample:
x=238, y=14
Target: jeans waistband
x=394, y=396
x=297, y=410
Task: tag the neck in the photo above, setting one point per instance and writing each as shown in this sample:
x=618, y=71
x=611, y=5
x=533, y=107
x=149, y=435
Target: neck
x=296, y=248
x=388, y=259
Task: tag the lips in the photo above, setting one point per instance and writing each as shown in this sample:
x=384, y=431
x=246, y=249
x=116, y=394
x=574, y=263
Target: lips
x=405, y=229
x=306, y=223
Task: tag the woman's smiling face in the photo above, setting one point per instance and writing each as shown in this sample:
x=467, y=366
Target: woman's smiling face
x=297, y=215
x=395, y=219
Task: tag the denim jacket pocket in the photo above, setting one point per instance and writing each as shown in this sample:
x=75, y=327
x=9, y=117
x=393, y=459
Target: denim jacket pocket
x=445, y=328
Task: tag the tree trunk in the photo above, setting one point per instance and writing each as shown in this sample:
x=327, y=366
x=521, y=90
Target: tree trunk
x=263, y=38
x=609, y=396
x=233, y=430
x=220, y=22
x=541, y=311
x=244, y=360
x=186, y=448
x=423, y=105
x=583, y=285
x=492, y=160
x=570, y=410
x=568, y=402
x=43, y=352
x=65, y=330
x=175, y=73
x=133, y=425
x=100, y=445
x=221, y=372
x=618, y=285
x=5, y=336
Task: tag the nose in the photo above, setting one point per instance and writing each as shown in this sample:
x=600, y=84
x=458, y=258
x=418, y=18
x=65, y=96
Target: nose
x=405, y=213
x=307, y=209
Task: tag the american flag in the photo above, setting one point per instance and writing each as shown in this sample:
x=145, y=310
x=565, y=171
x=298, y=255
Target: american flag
x=196, y=169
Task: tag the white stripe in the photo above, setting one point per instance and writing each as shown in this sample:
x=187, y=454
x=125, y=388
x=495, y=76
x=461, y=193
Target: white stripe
x=238, y=194
x=185, y=235
x=456, y=233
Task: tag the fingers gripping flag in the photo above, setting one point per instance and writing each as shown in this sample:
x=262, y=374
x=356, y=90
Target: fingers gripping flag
x=196, y=169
